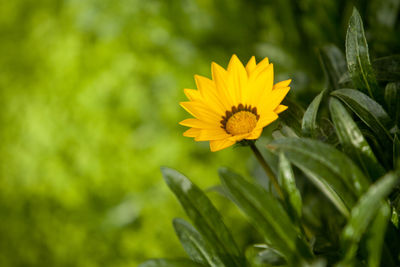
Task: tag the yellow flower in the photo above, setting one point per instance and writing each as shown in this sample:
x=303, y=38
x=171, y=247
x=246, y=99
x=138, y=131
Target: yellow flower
x=235, y=105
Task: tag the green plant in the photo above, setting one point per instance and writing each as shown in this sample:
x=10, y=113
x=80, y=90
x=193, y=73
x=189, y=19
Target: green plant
x=338, y=169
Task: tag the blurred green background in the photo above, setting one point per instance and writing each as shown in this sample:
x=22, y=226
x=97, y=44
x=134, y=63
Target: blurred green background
x=89, y=94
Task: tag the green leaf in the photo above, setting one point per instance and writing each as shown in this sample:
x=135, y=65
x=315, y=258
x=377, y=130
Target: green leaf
x=309, y=125
x=170, y=263
x=392, y=99
x=293, y=116
x=194, y=244
x=357, y=57
x=364, y=213
x=333, y=63
x=291, y=193
x=376, y=236
x=268, y=216
x=387, y=68
x=328, y=168
x=204, y=216
x=353, y=141
x=261, y=255
x=396, y=151
x=370, y=112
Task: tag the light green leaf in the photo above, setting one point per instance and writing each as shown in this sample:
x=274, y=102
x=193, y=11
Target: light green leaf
x=170, y=263
x=194, y=244
x=357, y=57
x=309, y=125
x=364, y=212
x=328, y=168
x=353, y=141
x=204, y=216
x=376, y=236
x=333, y=63
x=291, y=193
x=268, y=216
x=370, y=112
x=392, y=99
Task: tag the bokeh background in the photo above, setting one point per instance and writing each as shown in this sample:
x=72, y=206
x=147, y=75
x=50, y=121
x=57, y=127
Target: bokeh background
x=89, y=94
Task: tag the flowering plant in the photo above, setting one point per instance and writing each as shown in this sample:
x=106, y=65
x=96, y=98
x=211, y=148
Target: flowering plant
x=351, y=157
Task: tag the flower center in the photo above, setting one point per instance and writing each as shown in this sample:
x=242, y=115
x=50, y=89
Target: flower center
x=241, y=120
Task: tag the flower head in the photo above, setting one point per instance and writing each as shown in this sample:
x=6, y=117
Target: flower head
x=235, y=105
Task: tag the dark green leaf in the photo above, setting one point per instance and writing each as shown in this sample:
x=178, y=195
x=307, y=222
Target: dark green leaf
x=333, y=63
x=392, y=99
x=353, y=141
x=328, y=168
x=267, y=214
x=376, y=236
x=387, y=68
x=293, y=116
x=370, y=112
x=364, y=212
x=357, y=56
x=194, y=244
x=170, y=263
x=291, y=193
x=309, y=125
x=396, y=151
x=204, y=215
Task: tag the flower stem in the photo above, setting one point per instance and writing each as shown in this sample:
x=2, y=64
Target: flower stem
x=267, y=169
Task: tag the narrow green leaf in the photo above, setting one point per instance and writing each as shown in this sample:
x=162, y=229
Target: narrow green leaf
x=268, y=216
x=392, y=99
x=289, y=188
x=194, y=244
x=387, y=68
x=204, y=216
x=170, y=263
x=376, y=236
x=328, y=168
x=309, y=124
x=261, y=255
x=353, y=141
x=357, y=57
x=333, y=63
x=364, y=212
x=370, y=112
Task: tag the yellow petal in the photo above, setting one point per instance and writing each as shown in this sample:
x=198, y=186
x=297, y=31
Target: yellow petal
x=212, y=134
x=192, y=94
x=251, y=65
x=239, y=137
x=271, y=101
x=196, y=123
x=220, y=77
x=282, y=84
x=261, y=86
x=260, y=67
x=255, y=134
x=280, y=109
x=201, y=111
x=192, y=132
x=265, y=119
x=237, y=79
x=217, y=145
x=209, y=92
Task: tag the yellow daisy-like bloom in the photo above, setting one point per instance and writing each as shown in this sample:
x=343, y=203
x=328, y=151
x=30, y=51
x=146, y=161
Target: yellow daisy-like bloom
x=235, y=105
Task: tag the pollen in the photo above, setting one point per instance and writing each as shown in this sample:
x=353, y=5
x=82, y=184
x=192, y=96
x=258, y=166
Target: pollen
x=241, y=122
x=240, y=119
